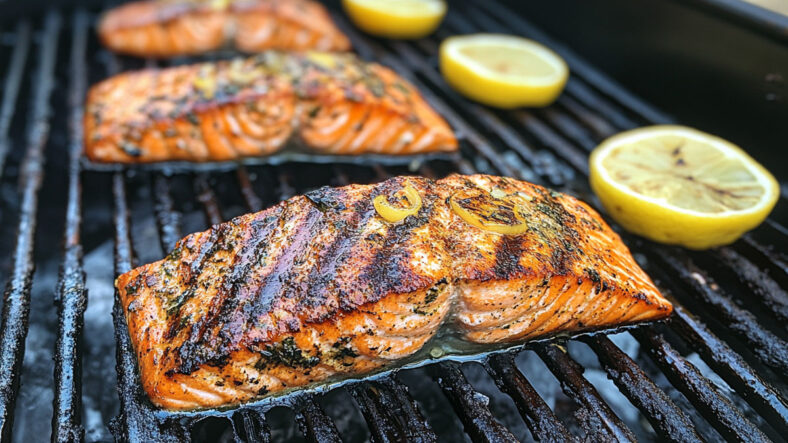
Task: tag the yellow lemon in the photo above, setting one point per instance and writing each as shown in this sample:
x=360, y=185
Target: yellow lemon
x=504, y=71
x=396, y=18
x=678, y=185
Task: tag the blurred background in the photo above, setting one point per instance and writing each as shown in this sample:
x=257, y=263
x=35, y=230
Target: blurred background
x=721, y=66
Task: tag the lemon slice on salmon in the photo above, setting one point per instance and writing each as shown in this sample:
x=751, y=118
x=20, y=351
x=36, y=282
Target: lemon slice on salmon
x=678, y=185
x=504, y=71
x=396, y=18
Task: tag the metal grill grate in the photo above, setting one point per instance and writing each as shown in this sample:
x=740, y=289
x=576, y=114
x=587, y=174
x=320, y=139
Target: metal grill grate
x=743, y=344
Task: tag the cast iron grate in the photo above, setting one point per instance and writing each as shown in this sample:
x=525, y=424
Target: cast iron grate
x=744, y=344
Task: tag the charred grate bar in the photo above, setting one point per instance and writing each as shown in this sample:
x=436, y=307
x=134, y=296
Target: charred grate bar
x=549, y=146
x=71, y=295
x=16, y=298
x=700, y=391
x=392, y=415
x=668, y=420
x=541, y=420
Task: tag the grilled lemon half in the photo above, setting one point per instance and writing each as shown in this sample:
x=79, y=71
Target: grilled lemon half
x=678, y=185
x=396, y=18
x=503, y=71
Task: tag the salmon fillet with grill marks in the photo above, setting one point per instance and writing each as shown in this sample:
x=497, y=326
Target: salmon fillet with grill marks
x=321, y=285
x=329, y=103
x=167, y=28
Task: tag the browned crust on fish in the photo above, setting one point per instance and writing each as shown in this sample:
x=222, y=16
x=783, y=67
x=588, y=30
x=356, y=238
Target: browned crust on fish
x=320, y=285
x=253, y=107
x=183, y=27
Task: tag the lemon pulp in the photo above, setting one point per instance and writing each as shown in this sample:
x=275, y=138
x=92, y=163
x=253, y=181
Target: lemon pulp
x=677, y=185
x=502, y=70
x=512, y=61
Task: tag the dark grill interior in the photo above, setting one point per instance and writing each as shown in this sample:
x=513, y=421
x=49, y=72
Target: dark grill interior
x=717, y=370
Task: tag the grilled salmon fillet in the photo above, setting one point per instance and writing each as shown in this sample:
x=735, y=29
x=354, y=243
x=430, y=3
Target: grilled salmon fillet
x=166, y=28
x=321, y=285
x=329, y=103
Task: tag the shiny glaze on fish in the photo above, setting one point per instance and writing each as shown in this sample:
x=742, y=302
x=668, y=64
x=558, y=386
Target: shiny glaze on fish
x=249, y=107
x=320, y=286
x=167, y=28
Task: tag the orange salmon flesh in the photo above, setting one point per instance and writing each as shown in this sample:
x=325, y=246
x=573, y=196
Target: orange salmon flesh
x=251, y=107
x=167, y=28
x=321, y=286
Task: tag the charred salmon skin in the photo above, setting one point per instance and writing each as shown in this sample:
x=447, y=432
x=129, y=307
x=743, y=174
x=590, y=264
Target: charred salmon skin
x=344, y=281
x=329, y=103
x=167, y=28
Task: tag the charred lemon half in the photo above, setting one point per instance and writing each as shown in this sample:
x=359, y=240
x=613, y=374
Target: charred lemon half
x=678, y=185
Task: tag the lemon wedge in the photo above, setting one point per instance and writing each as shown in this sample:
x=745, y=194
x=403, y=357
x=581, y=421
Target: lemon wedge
x=504, y=71
x=396, y=18
x=678, y=185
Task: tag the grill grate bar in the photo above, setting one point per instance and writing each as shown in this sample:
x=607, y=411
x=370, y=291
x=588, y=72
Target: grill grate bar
x=390, y=412
x=71, y=294
x=778, y=228
x=770, y=349
x=253, y=202
x=761, y=284
x=16, y=306
x=584, y=94
x=136, y=421
x=548, y=137
x=600, y=126
x=567, y=126
x=469, y=405
x=382, y=427
x=544, y=163
x=11, y=87
x=599, y=421
x=766, y=253
x=734, y=370
x=167, y=219
x=207, y=197
x=714, y=406
x=668, y=420
x=541, y=420
x=250, y=427
x=315, y=424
